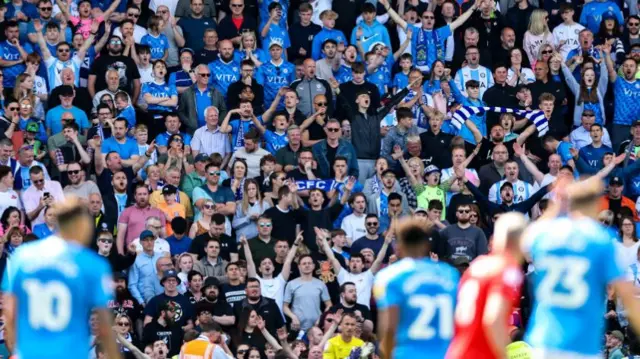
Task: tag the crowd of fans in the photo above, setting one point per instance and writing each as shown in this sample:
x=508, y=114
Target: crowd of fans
x=246, y=160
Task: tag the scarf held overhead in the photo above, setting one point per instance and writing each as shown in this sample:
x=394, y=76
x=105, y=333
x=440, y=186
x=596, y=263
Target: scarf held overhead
x=465, y=112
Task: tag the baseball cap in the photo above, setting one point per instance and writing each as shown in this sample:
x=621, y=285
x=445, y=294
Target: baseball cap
x=169, y=189
x=635, y=123
x=617, y=334
x=169, y=274
x=506, y=184
x=32, y=126
x=386, y=172
x=616, y=181
x=430, y=169
x=609, y=15
x=420, y=210
x=146, y=234
x=201, y=157
x=210, y=282
x=187, y=49
x=275, y=42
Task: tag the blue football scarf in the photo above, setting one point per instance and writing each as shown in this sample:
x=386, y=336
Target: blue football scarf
x=325, y=185
x=537, y=117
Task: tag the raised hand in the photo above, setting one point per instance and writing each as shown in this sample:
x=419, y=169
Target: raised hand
x=350, y=183
x=243, y=240
x=299, y=238
x=574, y=152
x=260, y=323
x=359, y=32
x=95, y=26
x=37, y=25
x=518, y=149
x=282, y=334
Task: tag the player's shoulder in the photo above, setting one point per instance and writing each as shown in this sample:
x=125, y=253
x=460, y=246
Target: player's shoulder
x=390, y=273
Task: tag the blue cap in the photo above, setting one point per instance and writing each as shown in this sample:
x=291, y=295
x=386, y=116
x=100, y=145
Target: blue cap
x=146, y=234
x=170, y=274
x=609, y=15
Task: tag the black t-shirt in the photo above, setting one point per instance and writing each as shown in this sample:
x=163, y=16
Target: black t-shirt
x=104, y=180
x=284, y=223
x=172, y=335
x=128, y=305
x=127, y=70
x=227, y=246
x=233, y=293
x=331, y=156
x=366, y=313
x=184, y=308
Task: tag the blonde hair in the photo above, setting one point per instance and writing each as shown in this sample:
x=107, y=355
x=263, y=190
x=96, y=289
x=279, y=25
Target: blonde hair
x=17, y=92
x=245, y=35
x=542, y=47
x=418, y=160
x=245, y=195
x=537, y=25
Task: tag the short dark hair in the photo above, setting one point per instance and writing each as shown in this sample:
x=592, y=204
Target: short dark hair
x=192, y=273
x=218, y=218
x=435, y=204
x=357, y=67
x=5, y=170
x=179, y=225
x=394, y=196
x=403, y=113
x=357, y=255
x=472, y=84
x=35, y=170
x=344, y=285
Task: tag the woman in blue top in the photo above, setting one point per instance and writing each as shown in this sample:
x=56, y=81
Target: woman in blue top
x=591, y=90
x=160, y=98
x=249, y=50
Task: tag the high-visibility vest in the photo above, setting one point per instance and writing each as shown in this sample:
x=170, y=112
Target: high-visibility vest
x=200, y=348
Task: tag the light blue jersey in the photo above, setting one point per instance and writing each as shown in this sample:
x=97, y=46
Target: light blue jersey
x=56, y=284
x=425, y=294
x=157, y=44
x=574, y=261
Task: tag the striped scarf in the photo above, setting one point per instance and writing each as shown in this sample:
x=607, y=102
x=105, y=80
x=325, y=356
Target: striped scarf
x=537, y=117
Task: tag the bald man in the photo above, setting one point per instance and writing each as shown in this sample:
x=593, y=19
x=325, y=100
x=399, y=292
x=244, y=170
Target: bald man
x=224, y=71
x=309, y=87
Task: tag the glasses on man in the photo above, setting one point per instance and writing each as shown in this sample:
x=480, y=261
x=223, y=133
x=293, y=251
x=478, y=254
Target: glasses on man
x=204, y=75
x=39, y=181
x=237, y=5
x=12, y=108
x=73, y=172
x=64, y=51
x=105, y=240
x=333, y=129
x=634, y=24
x=214, y=173
x=465, y=211
x=123, y=324
x=265, y=225
x=115, y=42
x=162, y=11
x=133, y=15
x=372, y=224
x=46, y=8
x=321, y=104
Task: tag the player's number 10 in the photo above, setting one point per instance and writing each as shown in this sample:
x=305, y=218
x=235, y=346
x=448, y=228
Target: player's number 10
x=49, y=304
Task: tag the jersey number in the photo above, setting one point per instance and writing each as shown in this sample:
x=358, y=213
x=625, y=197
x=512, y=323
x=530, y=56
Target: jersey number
x=428, y=306
x=566, y=273
x=49, y=304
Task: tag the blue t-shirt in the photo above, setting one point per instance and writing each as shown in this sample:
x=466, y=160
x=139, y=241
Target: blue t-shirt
x=274, y=141
x=180, y=79
x=563, y=152
x=425, y=308
x=378, y=78
x=262, y=55
x=575, y=260
x=163, y=139
x=56, y=283
x=159, y=90
x=264, y=12
x=223, y=75
x=276, y=33
x=273, y=78
x=126, y=150
x=427, y=46
x=8, y=52
x=158, y=45
x=321, y=37
x=343, y=74
x=178, y=246
x=238, y=129
x=591, y=15
x=129, y=113
x=626, y=101
x=593, y=156
x=400, y=81
x=53, y=122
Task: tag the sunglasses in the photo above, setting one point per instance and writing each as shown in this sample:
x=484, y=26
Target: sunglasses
x=115, y=42
x=372, y=224
x=474, y=215
x=123, y=324
x=214, y=173
x=161, y=11
x=204, y=75
x=39, y=181
x=464, y=211
x=106, y=240
x=25, y=106
x=321, y=104
x=46, y=8
x=177, y=140
x=242, y=352
x=208, y=206
x=263, y=225
x=634, y=23
x=73, y=172
x=333, y=129
x=428, y=17
x=134, y=15
x=547, y=52
x=12, y=108
x=237, y=5
x=63, y=50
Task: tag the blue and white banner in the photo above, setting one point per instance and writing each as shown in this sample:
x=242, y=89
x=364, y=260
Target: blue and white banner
x=537, y=116
x=325, y=185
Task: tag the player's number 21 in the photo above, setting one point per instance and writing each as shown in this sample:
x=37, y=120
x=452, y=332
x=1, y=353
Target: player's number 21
x=421, y=328
x=49, y=304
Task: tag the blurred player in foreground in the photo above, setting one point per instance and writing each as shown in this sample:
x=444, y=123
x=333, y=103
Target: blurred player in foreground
x=51, y=287
x=574, y=259
x=489, y=291
x=416, y=297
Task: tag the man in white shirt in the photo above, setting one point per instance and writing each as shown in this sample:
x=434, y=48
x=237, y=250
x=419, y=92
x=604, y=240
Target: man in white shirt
x=8, y=197
x=251, y=152
x=153, y=228
x=581, y=136
x=566, y=34
x=356, y=274
x=208, y=139
x=354, y=224
x=521, y=189
x=42, y=193
x=473, y=71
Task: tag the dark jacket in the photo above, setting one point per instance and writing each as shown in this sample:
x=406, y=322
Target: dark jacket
x=365, y=135
x=349, y=91
x=266, y=308
x=227, y=30
x=308, y=89
x=499, y=95
x=233, y=93
x=488, y=175
x=436, y=148
x=345, y=149
x=492, y=208
x=187, y=109
x=301, y=38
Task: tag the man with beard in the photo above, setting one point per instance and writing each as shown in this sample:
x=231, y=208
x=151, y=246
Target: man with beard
x=496, y=137
x=124, y=302
x=221, y=311
x=264, y=307
x=494, y=171
x=248, y=78
x=372, y=240
x=165, y=328
x=182, y=305
x=77, y=185
x=70, y=152
x=309, y=87
x=118, y=198
x=251, y=152
x=349, y=304
x=224, y=70
x=114, y=59
x=195, y=23
x=133, y=219
x=544, y=83
x=463, y=239
x=507, y=42
x=379, y=203
x=228, y=249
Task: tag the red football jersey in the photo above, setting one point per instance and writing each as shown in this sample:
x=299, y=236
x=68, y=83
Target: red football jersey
x=487, y=275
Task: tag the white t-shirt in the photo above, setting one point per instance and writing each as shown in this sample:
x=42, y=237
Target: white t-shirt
x=363, y=282
x=160, y=245
x=354, y=226
x=274, y=289
x=627, y=255
x=8, y=199
x=570, y=35
x=547, y=179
